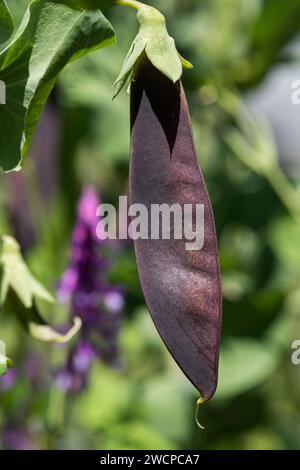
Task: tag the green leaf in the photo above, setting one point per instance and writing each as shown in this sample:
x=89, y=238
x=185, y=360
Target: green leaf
x=163, y=394
x=6, y=22
x=16, y=276
x=136, y=434
x=20, y=292
x=159, y=47
x=109, y=388
x=50, y=36
x=244, y=365
x=87, y=4
x=284, y=235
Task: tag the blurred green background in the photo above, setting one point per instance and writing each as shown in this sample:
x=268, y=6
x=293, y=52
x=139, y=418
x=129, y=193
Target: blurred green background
x=254, y=184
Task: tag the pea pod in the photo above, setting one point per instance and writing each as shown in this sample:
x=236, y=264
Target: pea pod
x=182, y=288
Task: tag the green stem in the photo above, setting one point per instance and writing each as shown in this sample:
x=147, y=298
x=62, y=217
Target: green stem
x=284, y=191
x=136, y=5
x=55, y=412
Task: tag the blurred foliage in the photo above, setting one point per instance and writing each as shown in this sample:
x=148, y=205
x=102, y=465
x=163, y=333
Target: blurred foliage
x=148, y=403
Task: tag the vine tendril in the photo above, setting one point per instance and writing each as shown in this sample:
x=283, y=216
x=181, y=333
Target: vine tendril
x=198, y=404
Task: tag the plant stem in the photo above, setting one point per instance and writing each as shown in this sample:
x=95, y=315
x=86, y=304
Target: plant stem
x=136, y=5
x=284, y=191
x=55, y=412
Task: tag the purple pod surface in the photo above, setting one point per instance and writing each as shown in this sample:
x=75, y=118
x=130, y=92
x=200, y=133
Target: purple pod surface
x=182, y=288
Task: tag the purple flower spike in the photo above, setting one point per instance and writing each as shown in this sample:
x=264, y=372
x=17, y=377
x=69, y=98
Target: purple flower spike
x=87, y=208
x=82, y=357
x=97, y=303
x=8, y=380
x=15, y=439
x=67, y=285
x=74, y=376
x=114, y=301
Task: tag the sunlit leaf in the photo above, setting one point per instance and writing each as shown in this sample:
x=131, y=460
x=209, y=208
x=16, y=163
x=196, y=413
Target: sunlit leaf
x=50, y=36
x=16, y=275
x=87, y=4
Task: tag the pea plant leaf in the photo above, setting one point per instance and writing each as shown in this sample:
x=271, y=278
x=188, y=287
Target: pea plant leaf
x=153, y=40
x=50, y=36
x=16, y=276
x=87, y=4
x=20, y=292
x=6, y=22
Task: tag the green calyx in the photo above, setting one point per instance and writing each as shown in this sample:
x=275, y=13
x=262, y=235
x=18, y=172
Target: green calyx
x=147, y=17
x=153, y=40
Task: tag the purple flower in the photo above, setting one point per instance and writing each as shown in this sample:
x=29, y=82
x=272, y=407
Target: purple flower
x=73, y=377
x=113, y=301
x=15, y=439
x=84, y=287
x=8, y=380
x=82, y=357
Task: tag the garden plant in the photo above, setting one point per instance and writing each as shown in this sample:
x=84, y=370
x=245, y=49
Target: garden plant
x=110, y=342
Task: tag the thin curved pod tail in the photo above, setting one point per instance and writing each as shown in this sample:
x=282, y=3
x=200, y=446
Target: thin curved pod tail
x=182, y=287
